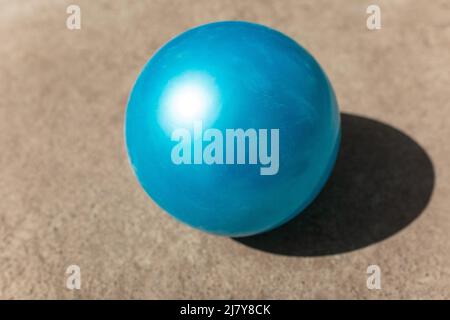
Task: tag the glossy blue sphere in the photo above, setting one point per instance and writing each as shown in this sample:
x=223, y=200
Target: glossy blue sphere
x=227, y=76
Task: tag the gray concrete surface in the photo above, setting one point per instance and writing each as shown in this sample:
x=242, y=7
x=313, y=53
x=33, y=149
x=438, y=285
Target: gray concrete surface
x=68, y=196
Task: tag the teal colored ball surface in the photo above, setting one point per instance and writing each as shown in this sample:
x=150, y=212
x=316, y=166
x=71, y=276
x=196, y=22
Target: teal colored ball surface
x=232, y=128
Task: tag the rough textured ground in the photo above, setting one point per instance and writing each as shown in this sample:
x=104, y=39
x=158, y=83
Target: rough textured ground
x=68, y=196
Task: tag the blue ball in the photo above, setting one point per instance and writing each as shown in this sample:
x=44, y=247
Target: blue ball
x=232, y=128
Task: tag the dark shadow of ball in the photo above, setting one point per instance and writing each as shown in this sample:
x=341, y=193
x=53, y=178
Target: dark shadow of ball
x=382, y=181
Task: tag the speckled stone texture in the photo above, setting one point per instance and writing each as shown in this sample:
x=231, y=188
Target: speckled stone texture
x=68, y=195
